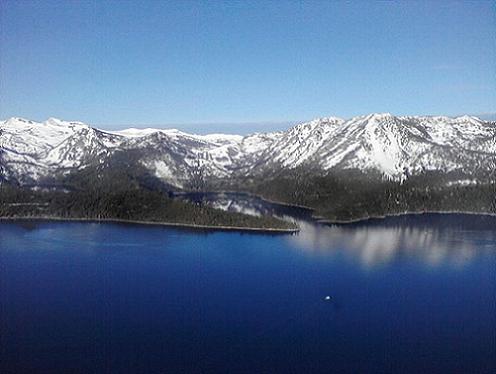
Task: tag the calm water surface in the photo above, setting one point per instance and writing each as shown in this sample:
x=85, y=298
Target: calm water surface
x=408, y=294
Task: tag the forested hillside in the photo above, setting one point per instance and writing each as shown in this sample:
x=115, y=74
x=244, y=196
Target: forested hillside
x=354, y=195
x=124, y=194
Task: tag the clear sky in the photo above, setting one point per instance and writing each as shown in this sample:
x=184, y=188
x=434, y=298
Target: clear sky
x=115, y=64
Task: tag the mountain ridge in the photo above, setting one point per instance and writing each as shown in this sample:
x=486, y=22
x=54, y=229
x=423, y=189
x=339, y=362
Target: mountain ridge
x=395, y=146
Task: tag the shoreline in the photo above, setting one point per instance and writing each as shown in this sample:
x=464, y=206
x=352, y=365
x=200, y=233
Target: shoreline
x=316, y=218
x=322, y=219
x=267, y=230
x=378, y=217
x=158, y=223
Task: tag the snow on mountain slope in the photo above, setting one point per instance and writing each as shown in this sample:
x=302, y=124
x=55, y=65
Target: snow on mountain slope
x=397, y=147
x=32, y=150
x=401, y=146
x=303, y=141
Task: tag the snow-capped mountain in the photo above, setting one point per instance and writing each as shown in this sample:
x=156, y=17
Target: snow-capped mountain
x=396, y=147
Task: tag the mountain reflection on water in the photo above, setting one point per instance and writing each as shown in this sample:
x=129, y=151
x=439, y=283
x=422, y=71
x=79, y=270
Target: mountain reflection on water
x=437, y=243
x=434, y=239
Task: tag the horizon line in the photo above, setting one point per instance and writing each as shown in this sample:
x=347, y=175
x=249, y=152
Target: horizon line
x=487, y=116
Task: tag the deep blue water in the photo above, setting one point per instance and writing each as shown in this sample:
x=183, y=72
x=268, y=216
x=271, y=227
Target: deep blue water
x=408, y=295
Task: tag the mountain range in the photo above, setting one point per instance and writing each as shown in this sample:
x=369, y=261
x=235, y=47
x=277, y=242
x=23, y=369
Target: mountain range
x=394, y=148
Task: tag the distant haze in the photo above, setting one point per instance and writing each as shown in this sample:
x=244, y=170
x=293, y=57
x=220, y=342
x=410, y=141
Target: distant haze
x=244, y=128
x=487, y=116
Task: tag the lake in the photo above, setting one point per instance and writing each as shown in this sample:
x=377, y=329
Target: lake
x=406, y=295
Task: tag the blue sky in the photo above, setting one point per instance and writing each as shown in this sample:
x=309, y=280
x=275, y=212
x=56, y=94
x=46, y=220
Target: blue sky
x=236, y=63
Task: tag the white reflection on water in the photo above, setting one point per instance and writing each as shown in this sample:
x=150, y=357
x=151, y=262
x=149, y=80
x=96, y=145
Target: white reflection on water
x=435, y=240
x=453, y=241
x=374, y=245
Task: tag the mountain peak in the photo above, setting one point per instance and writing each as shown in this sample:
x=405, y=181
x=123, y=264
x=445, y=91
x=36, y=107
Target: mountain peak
x=468, y=118
x=377, y=117
x=58, y=122
x=332, y=119
x=16, y=120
